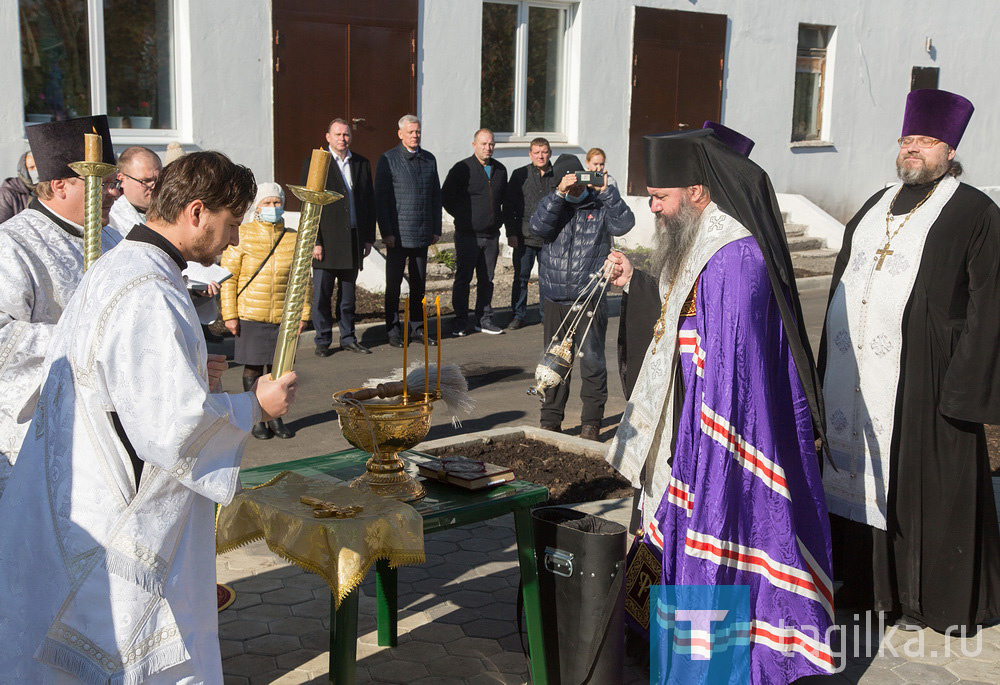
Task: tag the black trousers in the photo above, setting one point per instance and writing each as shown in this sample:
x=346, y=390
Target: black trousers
x=325, y=283
x=396, y=259
x=592, y=368
x=524, y=260
x=478, y=255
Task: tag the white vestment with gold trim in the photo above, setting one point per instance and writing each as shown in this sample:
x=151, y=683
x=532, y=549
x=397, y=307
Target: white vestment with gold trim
x=99, y=581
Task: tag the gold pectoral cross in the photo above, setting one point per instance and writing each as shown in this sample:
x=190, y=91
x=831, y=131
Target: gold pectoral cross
x=882, y=254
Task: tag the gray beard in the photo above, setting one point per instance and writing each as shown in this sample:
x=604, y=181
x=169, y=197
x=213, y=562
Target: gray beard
x=675, y=236
x=920, y=175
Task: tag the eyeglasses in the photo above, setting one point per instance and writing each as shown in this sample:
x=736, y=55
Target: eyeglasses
x=148, y=184
x=923, y=142
x=106, y=183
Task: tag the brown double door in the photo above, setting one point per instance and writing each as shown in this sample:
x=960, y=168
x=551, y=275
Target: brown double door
x=677, y=67
x=354, y=59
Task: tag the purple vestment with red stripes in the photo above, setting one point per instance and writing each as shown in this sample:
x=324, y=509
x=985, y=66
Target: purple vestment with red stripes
x=745, y=503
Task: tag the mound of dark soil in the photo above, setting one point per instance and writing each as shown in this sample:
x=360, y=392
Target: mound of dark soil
x=570, y=478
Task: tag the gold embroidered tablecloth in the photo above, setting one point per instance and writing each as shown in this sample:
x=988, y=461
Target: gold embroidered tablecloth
x=340, y=550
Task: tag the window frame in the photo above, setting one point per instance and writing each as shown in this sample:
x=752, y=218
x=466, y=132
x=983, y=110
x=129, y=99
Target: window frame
x=520, y=134
x=181, y=72
x=824, y=106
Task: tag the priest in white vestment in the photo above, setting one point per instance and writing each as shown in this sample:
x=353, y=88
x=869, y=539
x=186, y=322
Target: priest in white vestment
x=41, y=263
x=107, y=552
x=138, y=170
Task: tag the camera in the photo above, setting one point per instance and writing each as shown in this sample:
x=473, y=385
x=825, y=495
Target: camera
x=593, y=178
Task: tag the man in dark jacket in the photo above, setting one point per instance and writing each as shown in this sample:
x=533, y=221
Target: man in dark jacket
x=577, y=223
x=527, y=186
x=408, y=207
x=346, y=234
x=473, y=193
x=15, y=192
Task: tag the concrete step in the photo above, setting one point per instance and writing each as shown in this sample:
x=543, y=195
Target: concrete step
x=818, y=261
x=795, y=230
x=803, y=242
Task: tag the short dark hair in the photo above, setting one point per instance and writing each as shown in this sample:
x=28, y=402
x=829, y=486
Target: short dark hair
x=208, y=176
x=538, y=142
x=337, y=120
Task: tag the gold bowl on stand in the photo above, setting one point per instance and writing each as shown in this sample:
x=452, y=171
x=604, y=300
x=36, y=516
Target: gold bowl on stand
x=384, y=430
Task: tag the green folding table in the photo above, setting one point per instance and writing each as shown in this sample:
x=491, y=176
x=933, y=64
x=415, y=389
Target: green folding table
x=444, y=507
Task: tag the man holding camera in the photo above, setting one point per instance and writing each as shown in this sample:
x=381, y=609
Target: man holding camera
x=577, y=221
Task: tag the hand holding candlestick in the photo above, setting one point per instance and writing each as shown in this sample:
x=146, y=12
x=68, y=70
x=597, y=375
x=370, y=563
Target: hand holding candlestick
x=313, y=197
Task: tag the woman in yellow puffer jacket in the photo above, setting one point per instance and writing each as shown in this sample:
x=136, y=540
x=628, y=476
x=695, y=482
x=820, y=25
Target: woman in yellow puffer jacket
x=253, y=298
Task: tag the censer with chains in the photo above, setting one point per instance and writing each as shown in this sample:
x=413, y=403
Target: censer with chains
x=557, y=360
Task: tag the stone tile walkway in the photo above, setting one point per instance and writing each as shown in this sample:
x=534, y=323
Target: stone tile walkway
x=457, y=623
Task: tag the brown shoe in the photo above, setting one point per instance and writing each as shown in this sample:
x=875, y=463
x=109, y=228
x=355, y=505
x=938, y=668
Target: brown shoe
x=554, y=427
x=590, y=432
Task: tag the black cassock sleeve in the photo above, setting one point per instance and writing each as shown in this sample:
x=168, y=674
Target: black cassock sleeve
x=640, y=310
x=971, y=388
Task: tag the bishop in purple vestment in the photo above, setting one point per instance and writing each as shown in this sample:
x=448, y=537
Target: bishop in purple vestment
x=720, y=430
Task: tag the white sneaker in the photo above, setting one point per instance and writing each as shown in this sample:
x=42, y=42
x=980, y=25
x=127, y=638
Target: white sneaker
x=488, y=327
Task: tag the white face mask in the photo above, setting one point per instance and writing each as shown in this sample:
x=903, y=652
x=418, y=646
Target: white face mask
x=270, y=215
x=33, y=175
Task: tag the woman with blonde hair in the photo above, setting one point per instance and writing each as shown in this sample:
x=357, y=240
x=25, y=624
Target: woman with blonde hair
x=596, y=158
x=252, y=300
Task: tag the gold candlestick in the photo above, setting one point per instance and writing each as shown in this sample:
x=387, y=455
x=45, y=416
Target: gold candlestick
x=427, y=371
x=406, y=340
x=437, y=303
x=93, y=170
x=313, y=198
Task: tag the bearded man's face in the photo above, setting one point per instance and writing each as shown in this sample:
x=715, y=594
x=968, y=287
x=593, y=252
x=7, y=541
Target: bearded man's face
x=916, y=164
x=677, y=222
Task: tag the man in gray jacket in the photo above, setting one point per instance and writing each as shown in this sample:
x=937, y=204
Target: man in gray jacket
x=577, y=223
x=408, y=209
x=527, y=186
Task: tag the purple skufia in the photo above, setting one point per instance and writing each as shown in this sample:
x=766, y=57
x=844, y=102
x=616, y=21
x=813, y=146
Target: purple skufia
x=938, y=114
x=734, y=139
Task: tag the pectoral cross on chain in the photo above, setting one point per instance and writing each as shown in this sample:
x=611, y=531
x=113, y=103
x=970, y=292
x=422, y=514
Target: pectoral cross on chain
x=882, y=254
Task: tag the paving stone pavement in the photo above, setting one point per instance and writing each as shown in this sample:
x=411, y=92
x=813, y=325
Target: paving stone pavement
x=457, y=623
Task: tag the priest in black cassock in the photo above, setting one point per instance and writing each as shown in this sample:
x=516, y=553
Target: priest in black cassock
x=910, y=349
